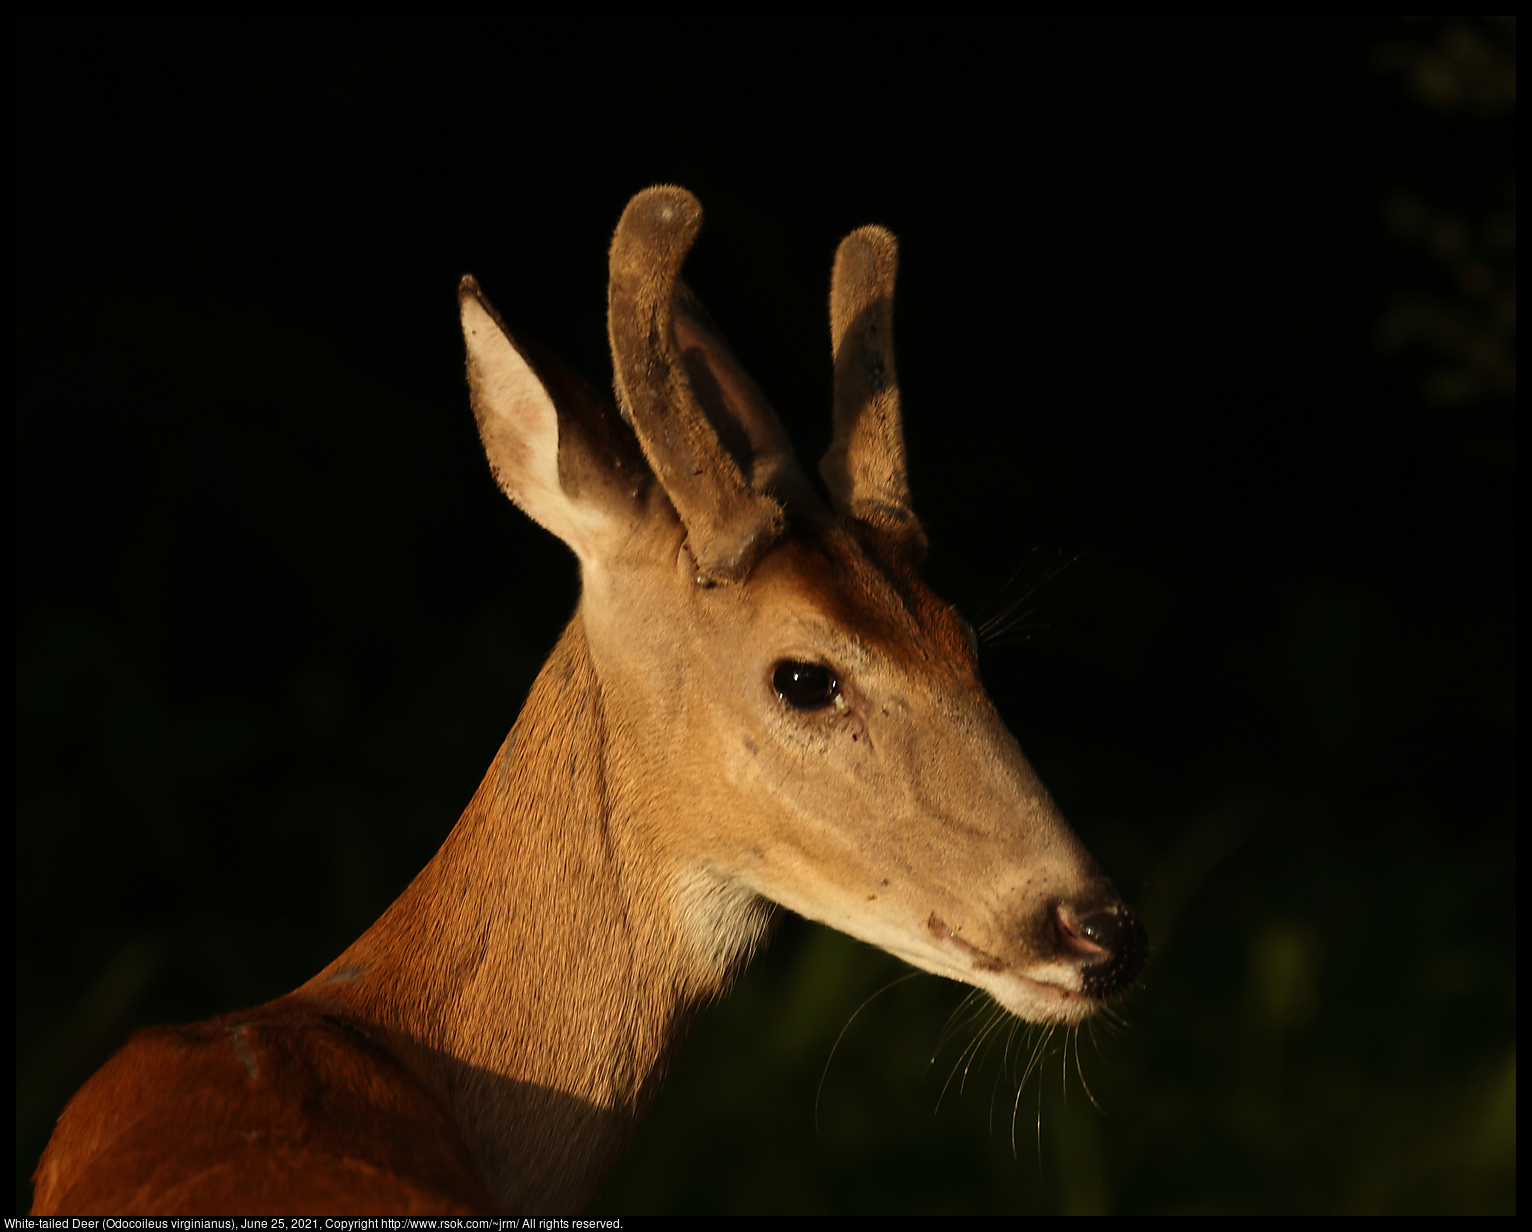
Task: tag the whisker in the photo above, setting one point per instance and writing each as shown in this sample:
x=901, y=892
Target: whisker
x=1016, y=1025
x=987, y=1038
x=908, y=975
x=1080, y=1070
x=949, y=1029
x=1003, y=587
x=1039, y=1054
x=1064, y=1067
x=1039, y=1117
x=1000, y=629
x=970, y=1050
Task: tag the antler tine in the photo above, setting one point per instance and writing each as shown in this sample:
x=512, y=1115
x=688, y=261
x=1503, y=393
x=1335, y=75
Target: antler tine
x=864, y=467
x=728, y=525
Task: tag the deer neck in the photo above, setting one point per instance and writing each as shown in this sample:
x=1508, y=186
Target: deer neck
x=538, y=973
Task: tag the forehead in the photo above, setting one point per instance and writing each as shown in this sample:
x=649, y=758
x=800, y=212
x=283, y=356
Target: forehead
x=864, y=586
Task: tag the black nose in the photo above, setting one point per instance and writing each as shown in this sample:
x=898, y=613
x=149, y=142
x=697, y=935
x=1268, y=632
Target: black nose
x=1117, y=931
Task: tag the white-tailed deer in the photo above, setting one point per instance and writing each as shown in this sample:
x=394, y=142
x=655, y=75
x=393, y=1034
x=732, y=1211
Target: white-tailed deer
x=757, y=704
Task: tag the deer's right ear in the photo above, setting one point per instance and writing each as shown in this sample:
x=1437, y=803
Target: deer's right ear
x=521, y=419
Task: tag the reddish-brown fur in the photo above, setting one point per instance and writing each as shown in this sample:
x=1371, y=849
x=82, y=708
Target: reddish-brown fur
x=151, y=1133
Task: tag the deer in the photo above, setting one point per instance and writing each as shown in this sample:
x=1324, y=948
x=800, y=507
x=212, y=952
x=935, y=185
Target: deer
x=758, y=706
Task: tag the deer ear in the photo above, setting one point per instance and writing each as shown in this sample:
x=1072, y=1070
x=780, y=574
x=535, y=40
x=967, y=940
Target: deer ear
x=542, y=453
x=864, y=467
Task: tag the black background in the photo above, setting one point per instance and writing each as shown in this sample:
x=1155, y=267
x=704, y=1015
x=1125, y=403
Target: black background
x=1202, y=381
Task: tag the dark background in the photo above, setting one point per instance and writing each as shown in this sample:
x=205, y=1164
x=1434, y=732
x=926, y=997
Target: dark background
x=1205, y=334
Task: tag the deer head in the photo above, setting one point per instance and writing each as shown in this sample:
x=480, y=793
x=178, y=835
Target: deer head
x=791, y=715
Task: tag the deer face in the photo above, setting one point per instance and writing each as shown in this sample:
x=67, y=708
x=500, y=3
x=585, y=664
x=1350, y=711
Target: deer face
x=823, y=741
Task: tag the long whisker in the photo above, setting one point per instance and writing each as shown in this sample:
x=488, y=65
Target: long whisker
x=1039, y=1053
x=908, y=975
x=950, y=1028
x=1039, y=1118
x=1064, y=1065
x=970, y=1050
x=1016, y=1025
x=1000, y=590
x=987, y=1039
x=1080, y=1070
x=993, y=630
x=992, y=1036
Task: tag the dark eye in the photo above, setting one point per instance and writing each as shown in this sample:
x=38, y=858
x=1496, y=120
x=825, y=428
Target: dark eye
x=805, y=686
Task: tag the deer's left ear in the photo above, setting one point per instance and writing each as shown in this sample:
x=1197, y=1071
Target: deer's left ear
x=553, y=447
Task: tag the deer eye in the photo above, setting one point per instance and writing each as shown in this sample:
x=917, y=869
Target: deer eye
x=805, y=686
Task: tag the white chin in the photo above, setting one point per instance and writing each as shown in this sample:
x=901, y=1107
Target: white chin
x=1039, y=1000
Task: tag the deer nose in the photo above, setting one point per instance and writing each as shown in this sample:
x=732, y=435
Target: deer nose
x=1110, y=943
